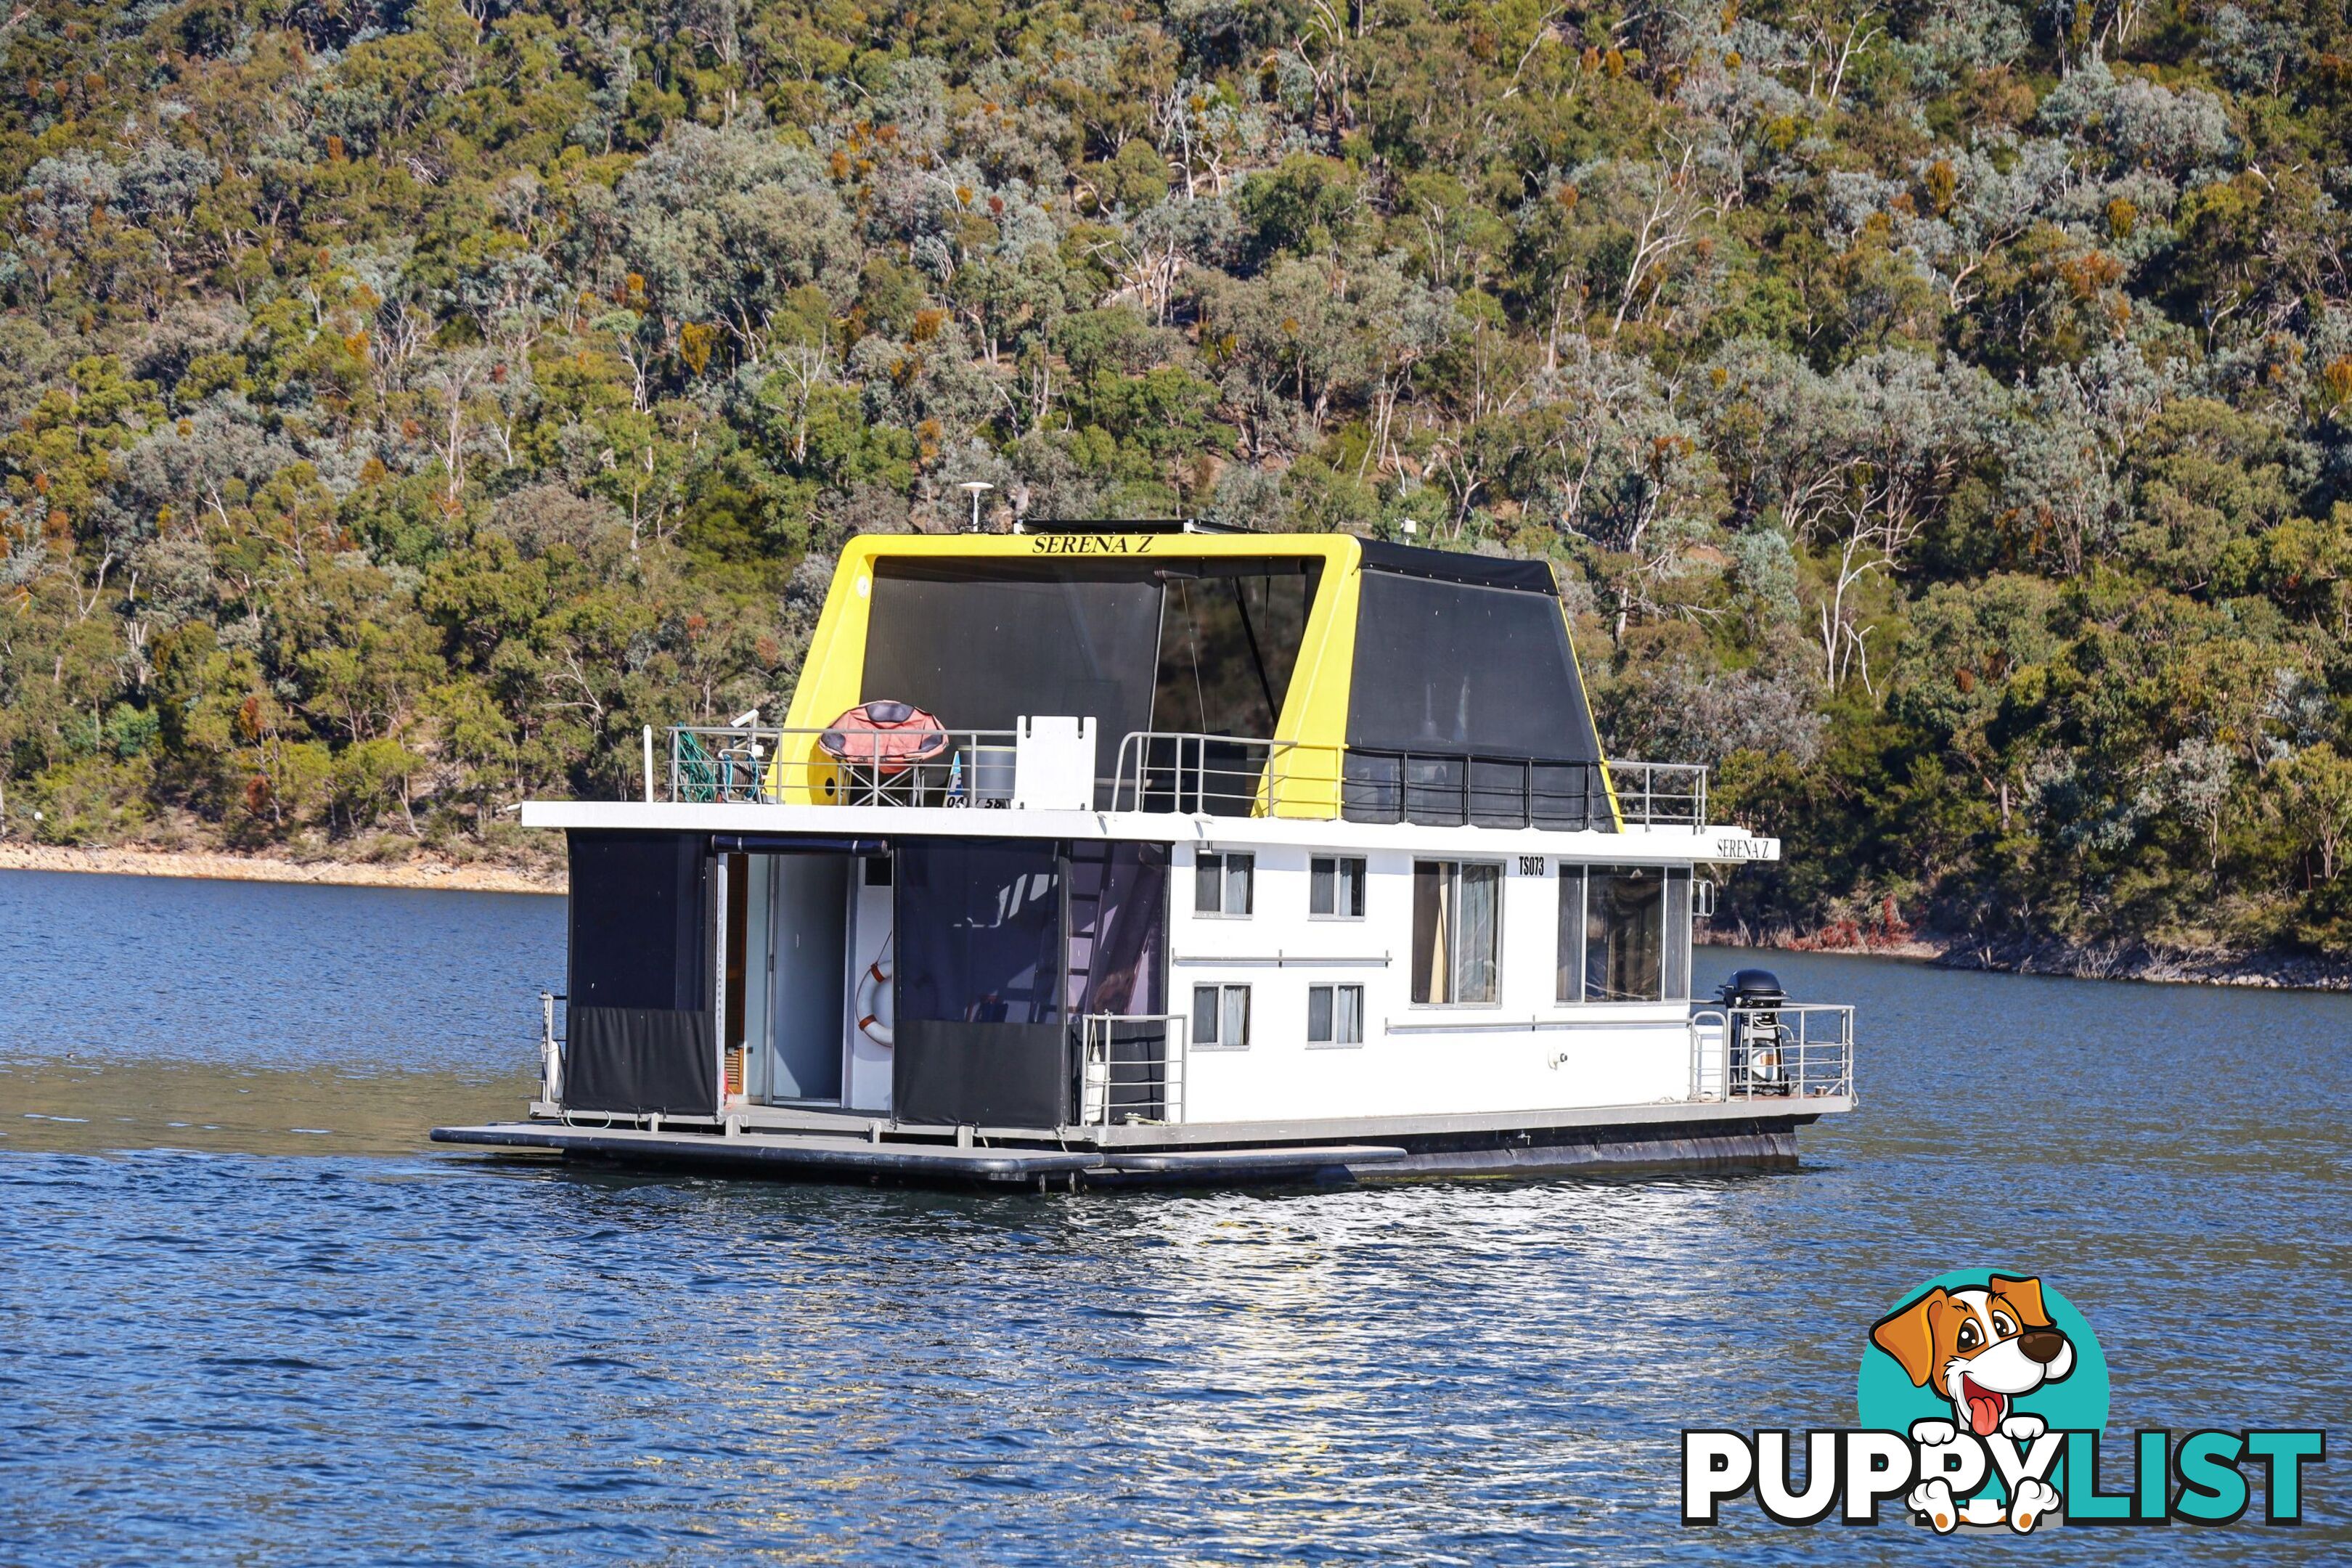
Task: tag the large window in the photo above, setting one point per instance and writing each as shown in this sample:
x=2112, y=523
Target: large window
x=1450, y=668
x=1457, y=918
x=1624, y=933
x=1223, y=884
x=1335, y=887
x=1176, y=643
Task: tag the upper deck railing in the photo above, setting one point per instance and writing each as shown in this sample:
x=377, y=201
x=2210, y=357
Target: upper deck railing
x=747, y=762
x=1660, y=794
x=1187, y=775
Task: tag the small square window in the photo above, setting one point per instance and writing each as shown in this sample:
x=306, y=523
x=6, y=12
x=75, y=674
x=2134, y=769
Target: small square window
x=1335, y=1014
x=1335, y=887
x=1223, y=884
x=1221, y=1016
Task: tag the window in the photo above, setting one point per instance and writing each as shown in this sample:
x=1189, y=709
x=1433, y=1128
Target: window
x=1221, y=1016
x=1335, y=1014
x=1624, y=933
x=1222, y=883
x=1456, y=926
x=1335, y=887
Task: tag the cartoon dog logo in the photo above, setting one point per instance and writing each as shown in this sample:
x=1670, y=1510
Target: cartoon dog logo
x=1982, y=1350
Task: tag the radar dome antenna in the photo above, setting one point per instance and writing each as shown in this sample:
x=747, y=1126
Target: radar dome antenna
x=975, y=488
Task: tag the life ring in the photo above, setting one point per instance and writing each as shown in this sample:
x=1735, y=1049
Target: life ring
x=874, y=1006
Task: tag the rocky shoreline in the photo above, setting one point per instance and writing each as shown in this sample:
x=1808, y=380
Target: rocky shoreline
x=417, y=871
x=2120, y=960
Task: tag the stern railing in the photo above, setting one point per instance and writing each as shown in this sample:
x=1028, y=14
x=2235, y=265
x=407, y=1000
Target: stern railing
x=1794, y=1051
x=1133, y=1067
x=1232, y=775
x=1224, y=775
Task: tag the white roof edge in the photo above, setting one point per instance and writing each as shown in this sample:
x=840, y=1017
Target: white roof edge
x=1641, y=844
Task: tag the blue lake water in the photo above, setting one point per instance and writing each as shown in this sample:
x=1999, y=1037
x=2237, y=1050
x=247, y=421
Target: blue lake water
x=248, y=1316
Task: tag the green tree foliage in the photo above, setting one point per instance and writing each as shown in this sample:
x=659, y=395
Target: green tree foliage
x=1941, y=417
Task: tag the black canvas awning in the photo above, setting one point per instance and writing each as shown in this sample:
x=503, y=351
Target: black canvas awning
x=1450, y=668
x=1453, y=566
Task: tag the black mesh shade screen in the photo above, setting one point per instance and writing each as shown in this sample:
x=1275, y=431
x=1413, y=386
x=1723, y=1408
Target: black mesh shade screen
x=1118, y=928
x=1465, y=669
x=638, y=1023
x=980, y=1037
x=1199, y=645
x=979, y=930
x=1229, y=641
x=979, y=649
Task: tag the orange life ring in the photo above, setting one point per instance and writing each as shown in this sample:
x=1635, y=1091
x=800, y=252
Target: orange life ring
x=876, y=1009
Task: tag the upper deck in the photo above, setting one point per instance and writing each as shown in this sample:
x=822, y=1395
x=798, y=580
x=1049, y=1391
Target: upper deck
x=1153, y=680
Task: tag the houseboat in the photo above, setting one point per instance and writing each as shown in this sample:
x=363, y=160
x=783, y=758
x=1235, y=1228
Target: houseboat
x=1121, y=854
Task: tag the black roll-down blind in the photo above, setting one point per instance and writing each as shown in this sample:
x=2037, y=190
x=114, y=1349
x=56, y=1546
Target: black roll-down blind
x=638, y=1025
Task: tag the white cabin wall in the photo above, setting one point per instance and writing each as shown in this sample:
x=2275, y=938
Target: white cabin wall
x=1526, y=1051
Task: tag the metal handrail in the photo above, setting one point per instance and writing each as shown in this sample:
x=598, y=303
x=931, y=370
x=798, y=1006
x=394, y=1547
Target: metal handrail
x=1660, y=794
x=764, y=763
x=1235, y=775
x=1149, y=1084
x=1191, y=774
x=1224, y=775
x=1795, y=1050
x=550, y=1047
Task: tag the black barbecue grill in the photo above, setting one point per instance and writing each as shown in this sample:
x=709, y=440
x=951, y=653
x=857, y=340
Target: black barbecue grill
x=1759, y=1043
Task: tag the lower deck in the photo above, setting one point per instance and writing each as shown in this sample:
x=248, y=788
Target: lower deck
x=832, y=1146
x=965, y=995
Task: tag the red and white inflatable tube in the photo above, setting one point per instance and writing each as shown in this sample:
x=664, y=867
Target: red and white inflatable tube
x=874, y=1011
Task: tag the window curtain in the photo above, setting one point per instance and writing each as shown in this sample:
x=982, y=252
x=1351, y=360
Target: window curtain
x=1433, y=975
x=1477, y=947
x=1678, y=933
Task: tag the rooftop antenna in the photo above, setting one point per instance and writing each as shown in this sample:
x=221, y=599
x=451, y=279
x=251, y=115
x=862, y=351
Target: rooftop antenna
x=975, y=488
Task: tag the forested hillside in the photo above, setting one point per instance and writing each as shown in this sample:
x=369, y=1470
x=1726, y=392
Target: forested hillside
x=1937, y=412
